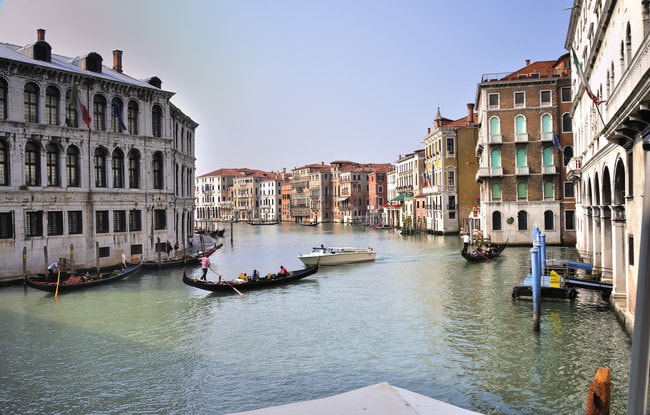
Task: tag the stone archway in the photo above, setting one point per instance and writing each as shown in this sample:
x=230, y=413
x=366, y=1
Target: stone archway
x=618, y=251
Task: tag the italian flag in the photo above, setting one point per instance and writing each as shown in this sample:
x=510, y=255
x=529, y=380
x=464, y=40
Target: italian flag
x=581, y=74
x=75, y=102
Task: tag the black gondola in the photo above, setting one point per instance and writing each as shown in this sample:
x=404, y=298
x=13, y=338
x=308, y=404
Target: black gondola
x=83, y=281
x=218, y=233
x=272, y=280
x=487, y=254
x=193, y=259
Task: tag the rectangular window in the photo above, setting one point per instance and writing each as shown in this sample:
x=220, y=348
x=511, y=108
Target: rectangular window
x=548, y=191
x=75, y=222
x=104, y=251
x=520, y=99
x=136, y=249
x=55, y=223
x=568, y=190
x=6, y=225
x=451, y=203
x=451, y=148
x=101, y=221
x=34, y=223
x=135, y=221
x=119, y=221
x=160, y=219
x=630, y=249
x=545, y=98
x=566, y=94
x=522, y=191
x=493, y=101
x=451, y=178
x=569, y=220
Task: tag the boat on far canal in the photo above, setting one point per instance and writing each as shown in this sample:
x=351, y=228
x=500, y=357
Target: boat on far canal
x=337, y=256
x=487, y=254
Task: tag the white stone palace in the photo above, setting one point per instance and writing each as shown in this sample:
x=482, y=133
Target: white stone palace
x=94, y=164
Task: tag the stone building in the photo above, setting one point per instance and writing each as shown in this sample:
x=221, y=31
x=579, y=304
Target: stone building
x=94, y=164
x=524, y=142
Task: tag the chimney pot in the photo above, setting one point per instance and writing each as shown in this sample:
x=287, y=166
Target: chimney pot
x=40, y=35
x=117, y=60
x=527, y=62
x=470, y=114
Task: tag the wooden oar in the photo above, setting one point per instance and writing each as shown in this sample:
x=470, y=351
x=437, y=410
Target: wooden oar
x=226, y=281
x=58, y=279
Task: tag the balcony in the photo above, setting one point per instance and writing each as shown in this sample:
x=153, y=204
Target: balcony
x=521, y=138
x=549, y=169
x=489, y=172
x=495, y=139
x=521, y=170
x=547, y=137
x=574, y=169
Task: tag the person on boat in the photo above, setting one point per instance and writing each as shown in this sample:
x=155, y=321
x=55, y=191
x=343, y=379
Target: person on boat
x=190, y=240
x=255, y=276
x=168, y=248
x=283, y=271
x=466, y=240
x=205, y=264
x=54, y=266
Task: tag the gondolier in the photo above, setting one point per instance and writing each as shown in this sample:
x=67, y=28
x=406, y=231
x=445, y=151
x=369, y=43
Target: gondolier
x=466, y=240
x=205, y=264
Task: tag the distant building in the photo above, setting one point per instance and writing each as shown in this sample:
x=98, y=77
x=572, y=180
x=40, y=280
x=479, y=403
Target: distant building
x=449, y=178
x=94, y=164
x=405, y=191
x=524, y=142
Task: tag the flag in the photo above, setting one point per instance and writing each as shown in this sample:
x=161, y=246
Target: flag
x=75, y=102
x=117, y=111
x=556, y=141
x=576, y=63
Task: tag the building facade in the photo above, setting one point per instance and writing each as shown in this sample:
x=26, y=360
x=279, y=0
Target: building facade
x=94, y=164
x=610, y=42
x=521, y=151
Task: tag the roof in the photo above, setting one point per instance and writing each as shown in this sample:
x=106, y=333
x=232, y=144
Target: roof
x=69, y=64
x=379, y=399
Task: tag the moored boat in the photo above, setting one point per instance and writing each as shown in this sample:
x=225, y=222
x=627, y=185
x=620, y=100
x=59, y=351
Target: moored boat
x=268, y=281
x=337, y=256
x=188, y=259
x=77, y=282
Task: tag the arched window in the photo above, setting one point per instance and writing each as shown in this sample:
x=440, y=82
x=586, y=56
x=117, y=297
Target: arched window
x=32, y=164
x=99, y=112
x=3, y=99
x=156, y=121
x=549, y=190
x=549, y=220
x=118, y=168
x=134, y=169
x=133, y=117
x=522, y=191
x=547, y=156
x=496, y=191
x=495, y=129
x=520, y=128
x=495, y=162
x=566, y=123
x=567, y=151
x=117, y=118
x=4, y=163
x=522, y=220
x=100, y=167
x=72, y=167
x=53, y=177
x=52, y=97
x=547, y=127
x=496, y=221
x=158, y=174
x=71, y=117
x=31, y=102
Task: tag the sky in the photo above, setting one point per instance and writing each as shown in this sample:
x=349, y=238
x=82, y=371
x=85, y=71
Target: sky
x=284, y=83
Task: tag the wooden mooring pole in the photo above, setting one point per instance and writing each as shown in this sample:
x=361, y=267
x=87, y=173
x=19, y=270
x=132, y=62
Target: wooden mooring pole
x=599, y=395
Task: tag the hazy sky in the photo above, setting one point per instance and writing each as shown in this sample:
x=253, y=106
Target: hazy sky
x=284, y=83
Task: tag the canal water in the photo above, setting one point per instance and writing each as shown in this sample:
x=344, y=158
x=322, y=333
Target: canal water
x=420, y=317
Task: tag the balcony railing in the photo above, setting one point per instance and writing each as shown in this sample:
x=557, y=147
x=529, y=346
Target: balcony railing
x=549, y=169
x=521, y=138
x=496, y=139
x=547, y=137
x=521, y=170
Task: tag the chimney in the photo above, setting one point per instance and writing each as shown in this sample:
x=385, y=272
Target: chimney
x=527, y=62
x=40, y=35
x=470, y=115
x=428, y=130
x=117, y=60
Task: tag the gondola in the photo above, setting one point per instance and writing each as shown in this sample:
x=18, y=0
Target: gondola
x=309, y=223
x=83, y=281
x=218, y=233
x=193, y=259
x=271, y=280
x=263, y=222
x=487, y=254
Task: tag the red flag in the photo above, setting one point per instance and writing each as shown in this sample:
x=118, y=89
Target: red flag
x=75, y=102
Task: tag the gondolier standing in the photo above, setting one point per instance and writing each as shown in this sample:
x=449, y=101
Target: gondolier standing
x=465, y=241
x=205, y=264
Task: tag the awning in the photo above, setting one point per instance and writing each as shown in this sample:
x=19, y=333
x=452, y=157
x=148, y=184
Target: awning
x=399, y=198
x=342, y=199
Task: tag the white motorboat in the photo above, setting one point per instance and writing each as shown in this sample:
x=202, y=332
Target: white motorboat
x=337, y=255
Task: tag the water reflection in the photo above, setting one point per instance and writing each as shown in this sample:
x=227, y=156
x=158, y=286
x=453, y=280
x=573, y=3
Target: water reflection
x=419, y=317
